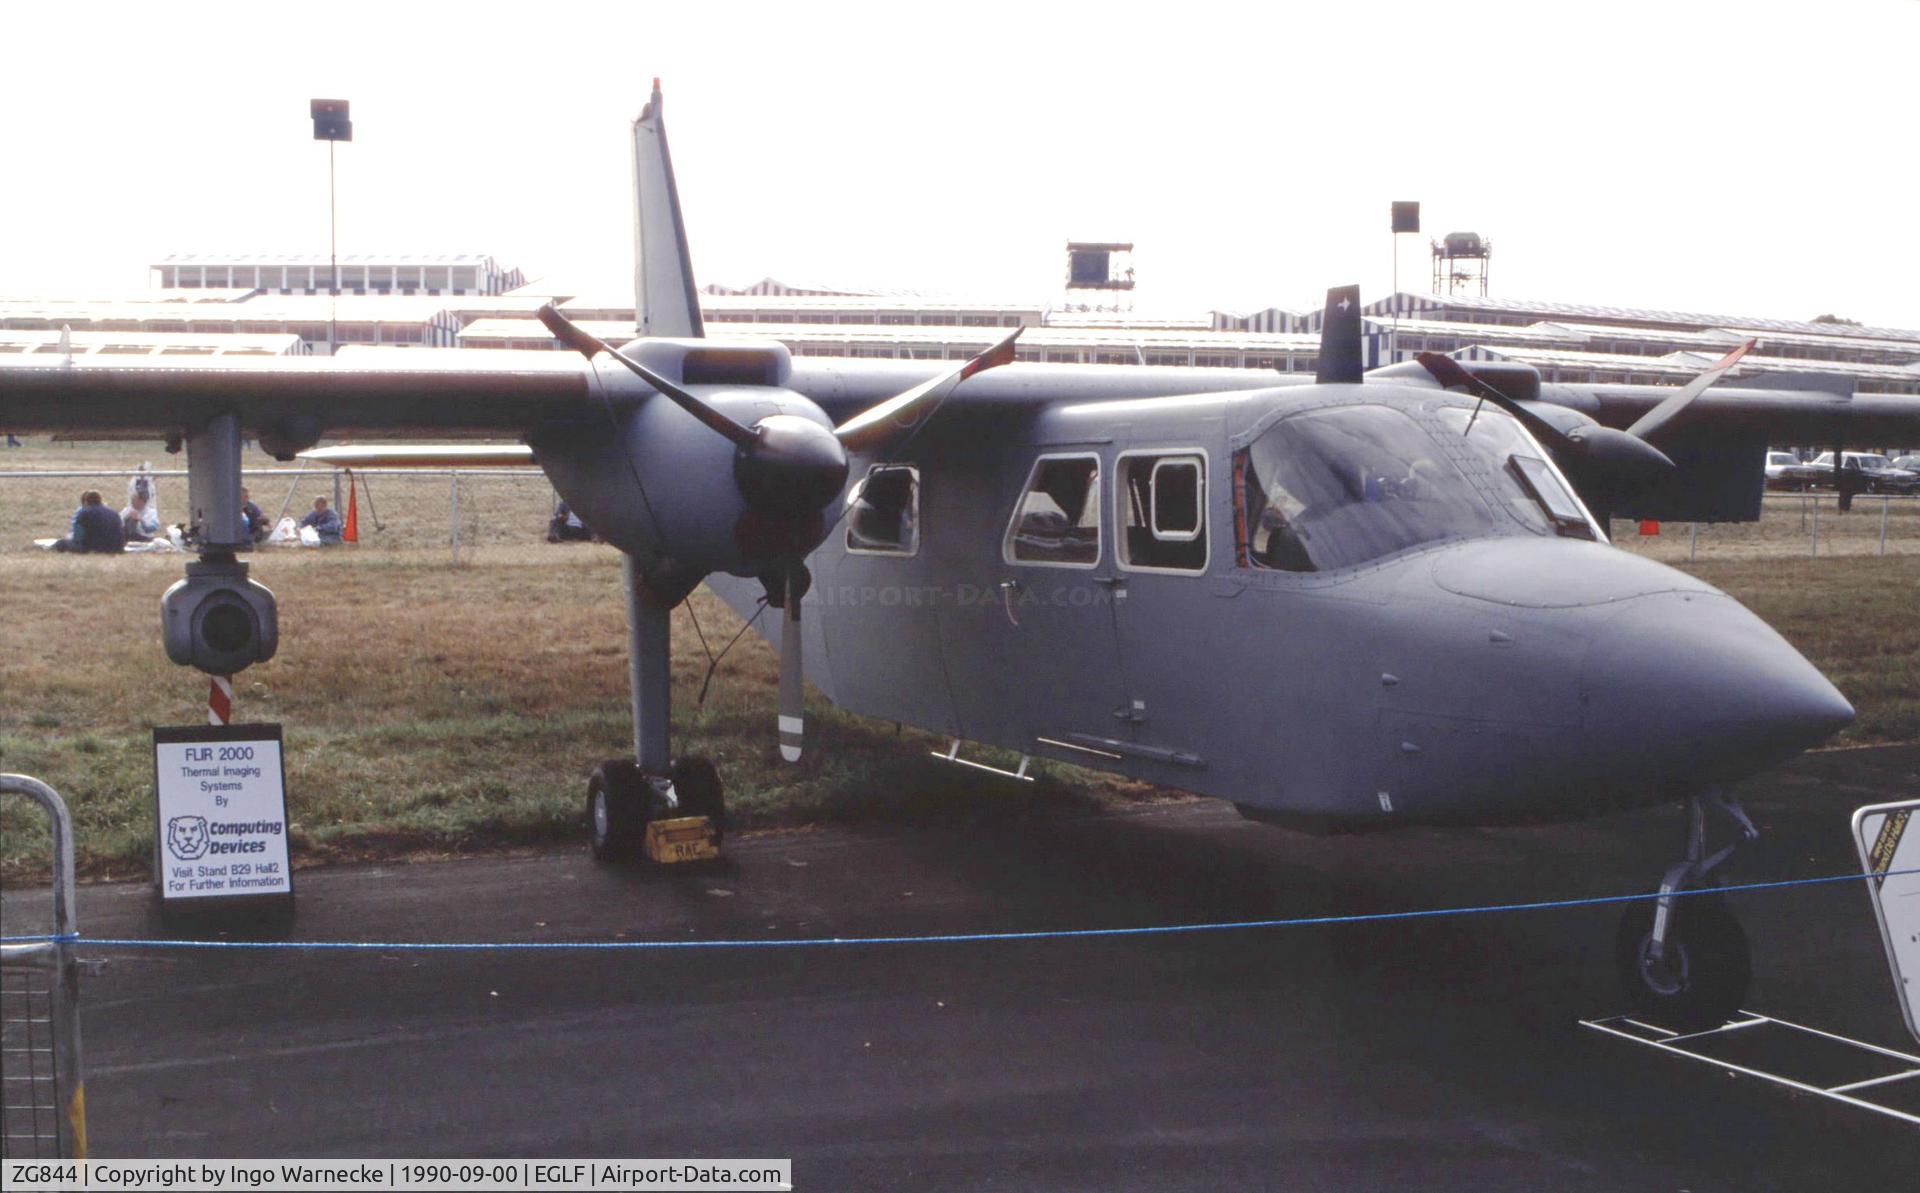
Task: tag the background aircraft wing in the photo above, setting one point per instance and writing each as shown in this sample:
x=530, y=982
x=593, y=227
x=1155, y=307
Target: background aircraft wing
x=1786, y=408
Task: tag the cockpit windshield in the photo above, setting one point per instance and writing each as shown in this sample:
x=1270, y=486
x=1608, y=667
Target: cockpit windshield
x=1524, y=482
x=1338, y=487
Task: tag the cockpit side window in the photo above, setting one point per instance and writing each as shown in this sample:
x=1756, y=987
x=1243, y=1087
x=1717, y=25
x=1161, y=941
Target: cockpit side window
x=1339, y=487
x=1057, y=522
x=884, y=518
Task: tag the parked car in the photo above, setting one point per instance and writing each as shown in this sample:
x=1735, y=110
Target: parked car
x=1910, y=463
x=1866, y=472
x=1781, y=472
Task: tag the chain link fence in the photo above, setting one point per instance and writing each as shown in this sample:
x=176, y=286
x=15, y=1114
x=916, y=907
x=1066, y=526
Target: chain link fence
x=464, y=515
x=1806, y=525
x=499, y=515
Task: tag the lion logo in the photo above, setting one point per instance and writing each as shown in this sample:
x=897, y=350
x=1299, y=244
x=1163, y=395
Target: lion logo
x=187, y=837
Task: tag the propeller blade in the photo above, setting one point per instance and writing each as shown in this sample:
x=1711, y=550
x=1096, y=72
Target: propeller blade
x=876, y=424
x=1451, y=374
x=793, y=721
x=1650, y=424
x=589, y=345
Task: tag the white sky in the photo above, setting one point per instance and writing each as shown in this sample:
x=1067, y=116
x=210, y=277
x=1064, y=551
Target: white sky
x=1741, y=158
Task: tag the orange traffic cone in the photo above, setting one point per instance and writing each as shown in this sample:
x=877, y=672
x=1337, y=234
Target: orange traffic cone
x=351, y=532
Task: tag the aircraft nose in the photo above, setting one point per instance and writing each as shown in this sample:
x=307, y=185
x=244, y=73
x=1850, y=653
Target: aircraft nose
x=1692, y=688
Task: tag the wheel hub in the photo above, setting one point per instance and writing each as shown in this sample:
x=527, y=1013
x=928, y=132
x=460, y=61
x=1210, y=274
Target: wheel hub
x=1665, y=976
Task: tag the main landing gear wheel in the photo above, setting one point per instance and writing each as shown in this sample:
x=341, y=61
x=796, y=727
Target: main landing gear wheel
x=622, y=800
x=618, y=798
x=1700, y=979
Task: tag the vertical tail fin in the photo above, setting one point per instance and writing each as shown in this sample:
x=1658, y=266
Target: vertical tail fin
x=1340, y=358
x=665, y=301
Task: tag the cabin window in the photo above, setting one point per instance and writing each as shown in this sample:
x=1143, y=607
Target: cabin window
x=1335, y=488
x=883, y=514
x=1162, y=517
x=1057, y=522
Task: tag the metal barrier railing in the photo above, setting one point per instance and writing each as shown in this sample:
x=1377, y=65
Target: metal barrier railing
x=43, y=1111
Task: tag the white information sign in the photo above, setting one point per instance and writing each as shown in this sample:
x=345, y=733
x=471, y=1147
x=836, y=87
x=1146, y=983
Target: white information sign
x=221, y=813
x=1888, y=837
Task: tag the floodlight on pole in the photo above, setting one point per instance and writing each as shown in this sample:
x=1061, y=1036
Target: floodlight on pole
x=330, y=124
x=1406, y=218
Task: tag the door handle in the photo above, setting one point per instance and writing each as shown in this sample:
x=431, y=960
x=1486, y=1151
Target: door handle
x=1007, y=589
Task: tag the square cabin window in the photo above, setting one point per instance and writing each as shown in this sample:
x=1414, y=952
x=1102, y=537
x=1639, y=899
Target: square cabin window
x=1057, y=523
x=1163, y=511
x=883, y=517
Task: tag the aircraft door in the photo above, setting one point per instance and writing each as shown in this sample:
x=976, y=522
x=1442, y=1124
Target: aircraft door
x=880, y=605
x=1055, y=600
x=1163, y=606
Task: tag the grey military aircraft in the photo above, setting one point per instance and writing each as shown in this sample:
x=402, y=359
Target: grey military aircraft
x=1371, y=600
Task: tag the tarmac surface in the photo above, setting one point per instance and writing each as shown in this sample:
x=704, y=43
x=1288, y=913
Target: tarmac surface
x=1433, y=1053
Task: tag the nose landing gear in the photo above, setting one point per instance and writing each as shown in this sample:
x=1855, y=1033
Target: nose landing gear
x=1683, y=958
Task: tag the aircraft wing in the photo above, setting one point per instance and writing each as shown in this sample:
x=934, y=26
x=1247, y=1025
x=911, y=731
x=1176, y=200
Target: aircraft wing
x=296, y=396
x=428, y=394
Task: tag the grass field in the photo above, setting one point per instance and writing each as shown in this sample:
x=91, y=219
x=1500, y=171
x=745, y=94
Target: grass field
x=438, y=708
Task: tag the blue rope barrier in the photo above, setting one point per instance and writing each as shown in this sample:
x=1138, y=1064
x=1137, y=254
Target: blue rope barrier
x=945, y=938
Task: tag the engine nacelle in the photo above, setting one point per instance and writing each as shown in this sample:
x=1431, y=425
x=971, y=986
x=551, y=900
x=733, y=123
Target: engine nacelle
x=652, y=480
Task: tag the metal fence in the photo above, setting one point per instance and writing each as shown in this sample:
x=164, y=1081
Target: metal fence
x=495, y=515
x=42, y=1090
x=466, y=515
x=1806, y=525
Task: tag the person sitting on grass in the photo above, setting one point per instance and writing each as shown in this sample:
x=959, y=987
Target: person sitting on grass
x=95, y=528
x=258, y=528
x=566, y=527
x=325, y=522
x=138, y=522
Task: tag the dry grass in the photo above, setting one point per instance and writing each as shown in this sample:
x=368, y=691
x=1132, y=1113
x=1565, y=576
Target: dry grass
x=435, y=708
x=432, y=708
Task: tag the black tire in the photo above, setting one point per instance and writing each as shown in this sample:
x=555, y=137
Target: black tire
x=697, y=785
x=616, y=810
x=1704, y=977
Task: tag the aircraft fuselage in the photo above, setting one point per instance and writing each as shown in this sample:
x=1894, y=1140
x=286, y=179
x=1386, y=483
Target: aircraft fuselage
x=1436, y=647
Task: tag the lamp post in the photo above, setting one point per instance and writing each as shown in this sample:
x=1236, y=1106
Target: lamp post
x=1406, y=218
x=330, y=124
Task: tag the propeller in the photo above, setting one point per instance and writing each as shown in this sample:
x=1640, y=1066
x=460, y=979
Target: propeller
x=1624, y=461
x=1649, y=425
x=789, y=469
x=793, y=720
x=874, y=426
